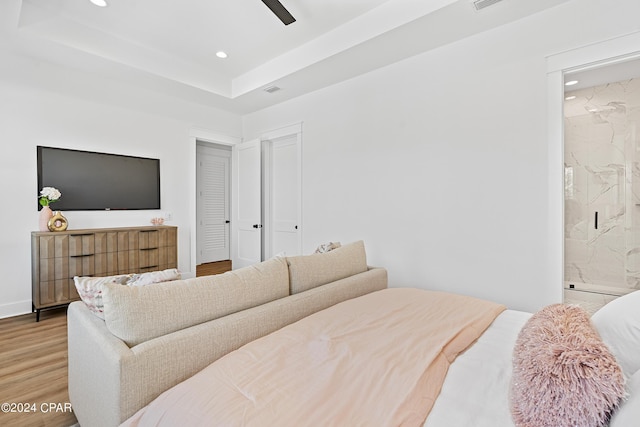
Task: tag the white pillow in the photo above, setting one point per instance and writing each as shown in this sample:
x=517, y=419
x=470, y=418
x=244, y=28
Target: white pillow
x=628, y=414
x=618, y=324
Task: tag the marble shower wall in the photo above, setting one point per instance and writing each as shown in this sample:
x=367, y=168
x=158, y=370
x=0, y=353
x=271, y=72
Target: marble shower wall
x=602, y=174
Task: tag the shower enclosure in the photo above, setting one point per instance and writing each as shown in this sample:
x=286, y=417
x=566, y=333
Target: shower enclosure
x=602, y=188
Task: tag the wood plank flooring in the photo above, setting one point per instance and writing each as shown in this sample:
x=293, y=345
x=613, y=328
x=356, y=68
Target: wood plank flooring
x=33, y=366
x=213, y=268
x=33, y=371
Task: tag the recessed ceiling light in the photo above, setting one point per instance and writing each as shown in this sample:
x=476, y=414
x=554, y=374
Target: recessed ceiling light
x=221, y=54
x=571, y=83
x=569, y=98
x=100, y=3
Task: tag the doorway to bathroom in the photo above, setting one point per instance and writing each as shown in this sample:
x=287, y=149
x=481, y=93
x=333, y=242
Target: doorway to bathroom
x=601, y=183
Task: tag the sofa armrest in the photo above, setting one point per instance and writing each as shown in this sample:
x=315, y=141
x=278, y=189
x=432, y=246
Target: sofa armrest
x=95, y=357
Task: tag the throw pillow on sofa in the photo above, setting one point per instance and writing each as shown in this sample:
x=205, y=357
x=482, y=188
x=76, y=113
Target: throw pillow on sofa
x=327, y=247
x=90, y=288
x=151, y=277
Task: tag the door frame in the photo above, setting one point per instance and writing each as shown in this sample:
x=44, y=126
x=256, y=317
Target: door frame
x=202, y=135
x=219, y=151
x=596, y=55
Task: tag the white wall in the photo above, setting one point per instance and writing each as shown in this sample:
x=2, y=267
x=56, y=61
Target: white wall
x=45, y=105
x=440, y=162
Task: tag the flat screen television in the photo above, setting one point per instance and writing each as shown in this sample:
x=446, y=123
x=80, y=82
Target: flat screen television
x=92, y=181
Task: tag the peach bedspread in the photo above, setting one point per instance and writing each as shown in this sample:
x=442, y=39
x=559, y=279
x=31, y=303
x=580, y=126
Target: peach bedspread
x=376, y=360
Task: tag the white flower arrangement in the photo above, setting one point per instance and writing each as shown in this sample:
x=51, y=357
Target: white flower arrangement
x=49, y=195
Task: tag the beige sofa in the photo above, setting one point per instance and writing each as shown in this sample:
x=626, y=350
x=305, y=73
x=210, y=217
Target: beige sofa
x=153, y=337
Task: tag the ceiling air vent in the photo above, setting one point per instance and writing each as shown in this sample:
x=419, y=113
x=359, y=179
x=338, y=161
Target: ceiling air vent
x=481, y=4
x=271, y=89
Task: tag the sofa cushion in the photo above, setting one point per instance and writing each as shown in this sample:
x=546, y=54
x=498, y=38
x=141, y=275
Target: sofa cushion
x=310, y=271
x=136, y=314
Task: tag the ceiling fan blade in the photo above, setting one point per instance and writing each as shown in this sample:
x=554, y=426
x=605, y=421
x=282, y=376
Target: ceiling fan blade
x=280, y=11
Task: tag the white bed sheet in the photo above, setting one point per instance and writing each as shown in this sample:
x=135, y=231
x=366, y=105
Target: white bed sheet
x=476, y=390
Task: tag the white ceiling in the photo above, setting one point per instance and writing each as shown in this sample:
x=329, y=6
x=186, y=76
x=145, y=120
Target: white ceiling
x=170, y=45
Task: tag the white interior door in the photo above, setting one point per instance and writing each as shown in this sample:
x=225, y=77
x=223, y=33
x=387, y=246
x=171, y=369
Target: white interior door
x=283, y=192
x=213, y=169
x=247, y=212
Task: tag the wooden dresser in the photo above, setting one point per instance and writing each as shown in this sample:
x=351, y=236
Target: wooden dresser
x=56, y=257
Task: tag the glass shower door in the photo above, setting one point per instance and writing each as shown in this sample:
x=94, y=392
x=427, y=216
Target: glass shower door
x=595, y=199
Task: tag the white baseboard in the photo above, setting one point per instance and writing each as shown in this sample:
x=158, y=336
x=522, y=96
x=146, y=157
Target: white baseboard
x=15, y=309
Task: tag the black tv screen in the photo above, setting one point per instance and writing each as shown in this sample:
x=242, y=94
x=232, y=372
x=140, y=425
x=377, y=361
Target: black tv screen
x=91, y=181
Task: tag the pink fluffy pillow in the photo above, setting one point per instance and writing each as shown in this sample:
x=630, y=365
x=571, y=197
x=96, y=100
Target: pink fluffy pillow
x=563, y=374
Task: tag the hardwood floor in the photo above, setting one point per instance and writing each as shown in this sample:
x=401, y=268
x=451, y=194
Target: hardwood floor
x=33, y=366
x=33, y=371
x=210, y=268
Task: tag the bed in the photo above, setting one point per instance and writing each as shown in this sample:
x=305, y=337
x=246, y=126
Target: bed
x=411, y=357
